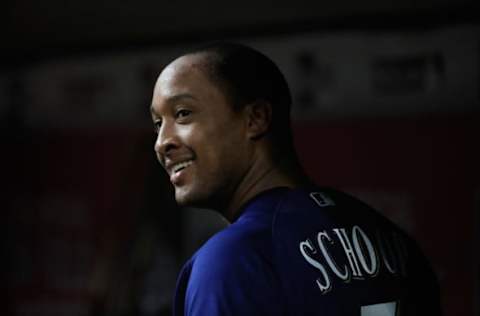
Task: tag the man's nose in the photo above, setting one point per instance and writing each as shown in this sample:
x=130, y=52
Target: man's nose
x=167, y=140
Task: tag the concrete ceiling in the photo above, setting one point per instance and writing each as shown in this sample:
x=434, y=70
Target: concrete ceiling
x=45, y=27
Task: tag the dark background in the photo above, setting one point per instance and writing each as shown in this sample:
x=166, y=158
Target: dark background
x=386, y=108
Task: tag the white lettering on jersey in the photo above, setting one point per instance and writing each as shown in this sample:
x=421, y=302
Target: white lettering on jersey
x=325, y=284
x=353, y=254
x=387, y=253
x=373, y=268
x=331, y=263
x=347, y=247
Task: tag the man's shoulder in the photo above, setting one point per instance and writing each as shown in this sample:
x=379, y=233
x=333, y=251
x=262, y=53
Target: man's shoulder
x=319, y=198
x=235, y=242
x=326, y=207
x=230, y=261
x=247, y=241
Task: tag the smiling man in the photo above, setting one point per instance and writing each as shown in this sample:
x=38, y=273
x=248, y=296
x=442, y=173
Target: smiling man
x=222, y=118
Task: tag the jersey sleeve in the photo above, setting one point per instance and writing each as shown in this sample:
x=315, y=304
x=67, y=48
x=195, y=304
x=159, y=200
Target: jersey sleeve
x=230, y=278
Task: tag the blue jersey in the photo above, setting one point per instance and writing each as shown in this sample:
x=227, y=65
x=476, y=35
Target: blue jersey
x=307, y=252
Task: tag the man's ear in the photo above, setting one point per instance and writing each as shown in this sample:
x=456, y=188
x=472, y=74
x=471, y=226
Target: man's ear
x=259, y=118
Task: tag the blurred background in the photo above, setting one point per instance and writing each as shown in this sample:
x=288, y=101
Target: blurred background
x=386, y=107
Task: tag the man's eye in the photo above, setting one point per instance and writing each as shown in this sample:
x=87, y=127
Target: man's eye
x=182, y=113
x=156, y=126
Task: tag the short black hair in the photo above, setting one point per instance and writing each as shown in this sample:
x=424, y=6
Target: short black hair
x=246, y=75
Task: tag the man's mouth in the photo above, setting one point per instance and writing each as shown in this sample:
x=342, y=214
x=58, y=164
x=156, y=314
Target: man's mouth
x=180, y=166
x=176, y=171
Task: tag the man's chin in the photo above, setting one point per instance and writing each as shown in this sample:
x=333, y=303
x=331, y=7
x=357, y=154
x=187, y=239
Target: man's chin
x=184, y=197
x=181, y=199
x=191, y=198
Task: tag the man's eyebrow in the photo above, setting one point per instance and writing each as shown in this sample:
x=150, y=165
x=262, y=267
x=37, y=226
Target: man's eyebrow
x=175, y=99
x=180, y=97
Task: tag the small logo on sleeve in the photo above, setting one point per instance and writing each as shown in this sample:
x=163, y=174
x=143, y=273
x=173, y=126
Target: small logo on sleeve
x=322, y=199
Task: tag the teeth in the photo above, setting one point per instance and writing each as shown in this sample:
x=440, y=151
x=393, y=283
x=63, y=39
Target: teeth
x=181, y=165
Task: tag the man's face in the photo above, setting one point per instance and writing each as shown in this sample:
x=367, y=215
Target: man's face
x=201, y=142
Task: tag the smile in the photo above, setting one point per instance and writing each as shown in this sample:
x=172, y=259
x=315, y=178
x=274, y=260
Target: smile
x=181, y=165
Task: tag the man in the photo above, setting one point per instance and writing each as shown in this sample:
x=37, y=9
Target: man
x=222, y=118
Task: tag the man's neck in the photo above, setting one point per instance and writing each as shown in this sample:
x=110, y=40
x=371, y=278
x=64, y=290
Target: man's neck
x=261, y=176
